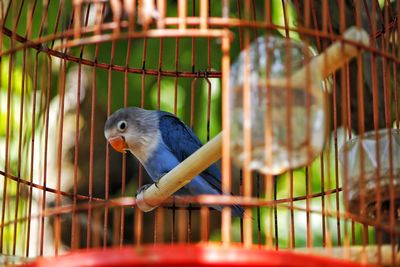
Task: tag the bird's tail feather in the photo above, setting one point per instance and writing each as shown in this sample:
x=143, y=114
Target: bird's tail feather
x=237, y=211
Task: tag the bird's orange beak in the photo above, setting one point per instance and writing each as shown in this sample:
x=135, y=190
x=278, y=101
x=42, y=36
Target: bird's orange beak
x=118, y=143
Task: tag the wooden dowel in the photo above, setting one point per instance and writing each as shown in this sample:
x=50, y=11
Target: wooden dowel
x=334, y=57
x=181, y=175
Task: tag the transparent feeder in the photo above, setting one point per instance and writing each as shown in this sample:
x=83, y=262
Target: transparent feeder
x=359, y=160
x=288, y=118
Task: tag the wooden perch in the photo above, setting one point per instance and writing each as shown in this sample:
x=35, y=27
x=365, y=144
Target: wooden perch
x=182, y=174
x=334, y=57
x=328, y=62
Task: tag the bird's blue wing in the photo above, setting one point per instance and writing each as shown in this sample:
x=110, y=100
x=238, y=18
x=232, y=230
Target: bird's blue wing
x=182, y=142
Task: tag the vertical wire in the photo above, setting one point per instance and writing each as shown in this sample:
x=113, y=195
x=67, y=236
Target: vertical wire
x=109, y=86
x=361, y=118
x=128, y=55
x=192, y=103
x=35, y=77
x=328, y=28
x=173, y=219
x=226, y=163
x=396, y=36
x=276, y=233
x=322, y=169
x=375, y=107
x=76, y=154
x=388, y=121
x=394, y=238
x=43, y=207
x=258, y=182
x=160, y=55
x=204, y=224
x=344, y=122
x=176, y=75
x=100, y=11
x=326, y=158
x=61, y=4
x=258, y=211
x=41, y=119
x=7, y=149
x=363, y=190
x=27, y=72
x=182, y=8
x=2, y=21
x=123, y=178
x=161, y=6
x=159, y=213
x=308, y=174
x=173, y=237
x=57, y=222
x=205, y=215
x=91, y=144
x=207, y=14
x=47, y=114
x=204, y=11
x=192, y=108
x=363, y=193
x=346, y=98
x=15, y=225
x=247, y=175
x=21, y=125
x=288, y=90
x=138, y=227
x=268, y=179
x=241, y=46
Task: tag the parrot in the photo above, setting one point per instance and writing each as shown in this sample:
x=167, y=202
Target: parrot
x=160, y=141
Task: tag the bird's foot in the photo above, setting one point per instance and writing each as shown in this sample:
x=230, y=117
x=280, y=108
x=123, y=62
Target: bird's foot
x=142, y=188
x=157, y=180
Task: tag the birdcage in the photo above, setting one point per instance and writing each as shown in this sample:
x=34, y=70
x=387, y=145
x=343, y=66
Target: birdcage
x=299, y=100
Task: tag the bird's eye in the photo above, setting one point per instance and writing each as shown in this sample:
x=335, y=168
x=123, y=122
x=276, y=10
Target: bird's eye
x=121, y=126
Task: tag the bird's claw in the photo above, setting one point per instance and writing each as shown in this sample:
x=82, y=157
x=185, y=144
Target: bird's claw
x=156, y=181
x=142, y=188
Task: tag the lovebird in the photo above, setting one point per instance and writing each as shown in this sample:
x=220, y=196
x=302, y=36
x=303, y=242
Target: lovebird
x=160, y=141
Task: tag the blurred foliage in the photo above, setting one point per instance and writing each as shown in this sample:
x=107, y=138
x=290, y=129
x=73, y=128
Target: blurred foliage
x=11, y=92
x=278, y=17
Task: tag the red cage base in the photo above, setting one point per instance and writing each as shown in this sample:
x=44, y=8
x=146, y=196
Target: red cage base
x=188, y=255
